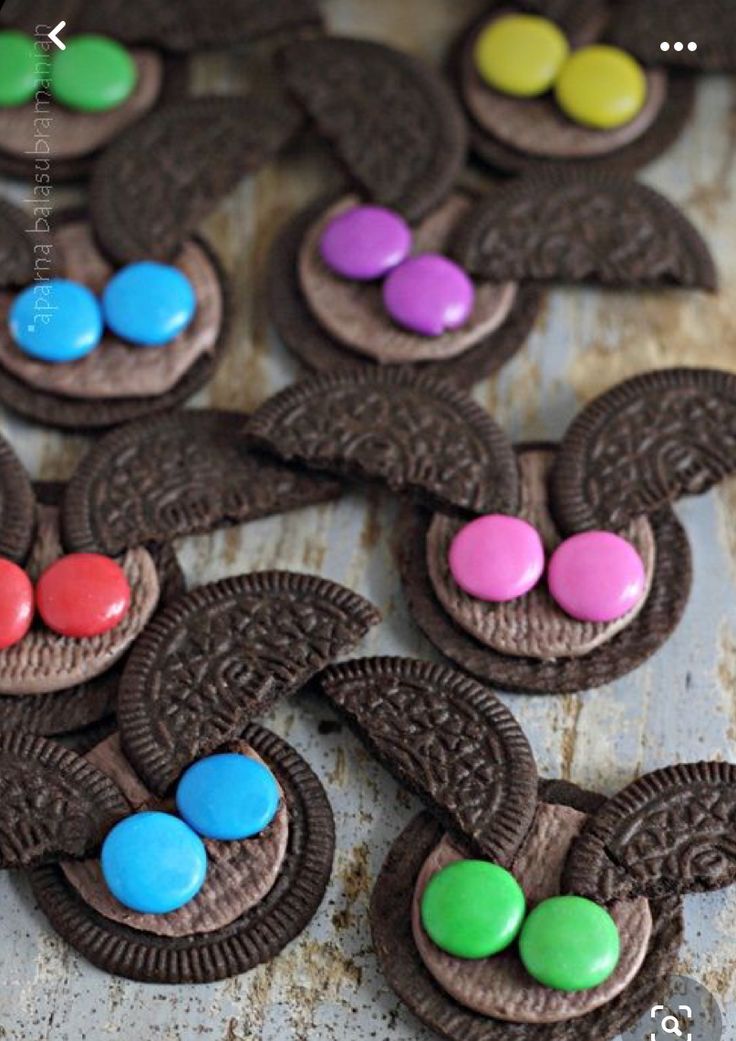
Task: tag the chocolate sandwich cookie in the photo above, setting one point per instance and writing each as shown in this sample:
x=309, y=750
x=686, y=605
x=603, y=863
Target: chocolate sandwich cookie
x=710, y=25
x=519, y=71
x=572, y=927
x=217, y=907
x=582, y=227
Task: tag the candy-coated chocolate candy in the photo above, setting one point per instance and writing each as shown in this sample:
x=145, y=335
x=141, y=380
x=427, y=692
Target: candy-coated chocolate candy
x=365, y=242
x=93, y=74
x=83, y=594
x=429, y=295
x=16, y=603
x=497, y=558
x=56, y=321
x=153, y=862
x=569, y=943
x=601, y=87
x=521, y=54
x=472, y=909
x=228, y=796
x=148, y=303
x=18, y=75
x=596, y=576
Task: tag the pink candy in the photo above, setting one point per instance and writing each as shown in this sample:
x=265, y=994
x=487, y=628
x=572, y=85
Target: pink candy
x=596, y=576
x=365, y=242
x=429, y=295
x=497, y=557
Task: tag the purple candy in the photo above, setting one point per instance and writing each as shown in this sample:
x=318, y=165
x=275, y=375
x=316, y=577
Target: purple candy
x=365, y=242
x=428, y=294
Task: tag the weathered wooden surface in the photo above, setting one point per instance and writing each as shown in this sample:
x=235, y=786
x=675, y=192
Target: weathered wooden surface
x=680, y=705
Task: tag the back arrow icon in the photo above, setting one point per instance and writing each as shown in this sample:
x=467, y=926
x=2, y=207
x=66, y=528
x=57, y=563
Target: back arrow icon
x=54, y=36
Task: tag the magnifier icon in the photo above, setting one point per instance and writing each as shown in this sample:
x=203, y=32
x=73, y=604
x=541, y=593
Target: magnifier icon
x=671, y=1025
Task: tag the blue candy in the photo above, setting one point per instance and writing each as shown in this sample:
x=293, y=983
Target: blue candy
x=228, y=796
x=148, y=304
x=56, y=321
x=153, y=862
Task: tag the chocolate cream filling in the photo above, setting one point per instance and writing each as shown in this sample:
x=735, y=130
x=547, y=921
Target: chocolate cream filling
x=354, y=314
x=538, y=126
x=70, y=134
x=116, y=369
x=43, y=661
x=500, y=987
x=239, y=873
x=534, y=625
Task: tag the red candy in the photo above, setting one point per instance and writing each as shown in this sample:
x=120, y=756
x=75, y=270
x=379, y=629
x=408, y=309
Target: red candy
x=16, y=603
x=83, y=594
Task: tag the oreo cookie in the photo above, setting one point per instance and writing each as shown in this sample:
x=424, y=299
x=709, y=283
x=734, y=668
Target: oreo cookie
x=711, y=25
x=521, y=134
x=393, y=703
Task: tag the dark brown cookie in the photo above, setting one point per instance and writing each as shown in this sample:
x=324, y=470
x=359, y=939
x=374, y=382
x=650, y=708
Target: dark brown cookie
x=565, y=227
x=626, y=651
x=52, y=802
x=413, y=433
x=670, y=832
x=576, y=19
x=711, y=24
x=75, y=413
x=405, y=972
x=16, y=246
x=318, y=350
x=391, y=120
x=154, y=185
x=17, y=506
x=223, y=653
x=449, y=740
x=644, y=443
x=191, y=473
x=187, y=25
x=255, y=937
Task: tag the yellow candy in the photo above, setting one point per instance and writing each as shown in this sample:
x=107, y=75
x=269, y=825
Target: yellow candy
x=521, y=54
x=601, y=87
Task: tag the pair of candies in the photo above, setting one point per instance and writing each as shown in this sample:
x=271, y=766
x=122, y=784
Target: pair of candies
x=474, y=909
x=155, y=862
x=92, y=73
x=525, y=56
x=79, y=595
x=595, y=576
x=427, y=294
x=147, y=304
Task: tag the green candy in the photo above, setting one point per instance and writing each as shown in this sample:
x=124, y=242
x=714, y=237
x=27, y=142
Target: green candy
x=93, y=74
x=472, y=909
x=569, y=943
x=18, y=75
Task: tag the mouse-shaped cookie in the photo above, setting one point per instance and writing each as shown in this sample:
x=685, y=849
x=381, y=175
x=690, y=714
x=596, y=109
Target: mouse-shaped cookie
x=109, y=531
x=193, y=844
x=543, y=569
x=120, y=63
x=518, y=907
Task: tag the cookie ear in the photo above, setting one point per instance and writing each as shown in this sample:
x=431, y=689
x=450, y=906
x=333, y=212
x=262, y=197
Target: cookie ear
x=187, y=25
x=191, y=472
x=221, y=655
x=672, y=831
x=16, y=246
x=582, y=227
x=392, y=121
x=53, y=803
x=446, y=738
x=160, y=178
x=414, y=433
x=644, y=443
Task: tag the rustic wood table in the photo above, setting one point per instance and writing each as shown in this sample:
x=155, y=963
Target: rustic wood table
x=680, y=705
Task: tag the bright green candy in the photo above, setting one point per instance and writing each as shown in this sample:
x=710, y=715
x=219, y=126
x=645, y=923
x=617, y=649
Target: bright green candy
x=472, y=909
x=93, y=74
x=18, y=76
x=520, y=54
x=569, y=943
x=601, y=87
